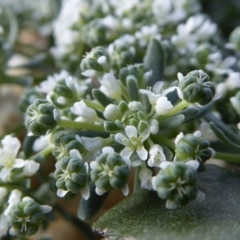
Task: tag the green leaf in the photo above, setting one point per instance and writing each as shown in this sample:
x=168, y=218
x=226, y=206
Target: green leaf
x=101, y=97
x=132, y=88
x=155, y=61
x=190, y=113
x=222, y=137
x=88, y=208
x=143, y=215
x=171, y=122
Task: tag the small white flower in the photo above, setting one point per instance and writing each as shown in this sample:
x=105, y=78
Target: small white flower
x=133, y=142
x=93, y=144
x=8, y=153
x=110, y=86
x=156, y=156
x=163, y=106
x=88, y=114
x=30, y=168
x=145, y=176
x=14, y=198
x=154, y=126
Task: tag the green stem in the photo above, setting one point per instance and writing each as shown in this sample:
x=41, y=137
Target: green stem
x=46, y=151
x=160, y=139
x=137, y=182
x=229, y=157
x=175, y=110
x=94, y=105
x=80, y=125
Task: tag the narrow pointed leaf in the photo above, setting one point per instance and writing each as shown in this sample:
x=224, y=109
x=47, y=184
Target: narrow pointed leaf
x=154, y=60
x=171, y=122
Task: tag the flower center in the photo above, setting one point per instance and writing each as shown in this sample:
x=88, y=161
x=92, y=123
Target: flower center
x=135, y=143
x=7, y=159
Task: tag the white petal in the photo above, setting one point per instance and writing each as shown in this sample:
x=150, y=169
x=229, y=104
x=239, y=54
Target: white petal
x=74, y=153
x=126, y=153
x=11, y=144
x=19, y=163
x=46, y=208
x=154, y=183
x=131, y=131
x=108, y=150
x=197, y=134
x=85, y=192
x=86, y=167
x=120, y=138
x=100, y=191
x=93, y=164
x=4, y=173
x=61, y=192
x=170, y=204
x=142, y=153
x=125, y=190
x=180, y=76
x=30, y=167
x=179, y=136
x=165, y=164
x=89, y=73
x=193, y=164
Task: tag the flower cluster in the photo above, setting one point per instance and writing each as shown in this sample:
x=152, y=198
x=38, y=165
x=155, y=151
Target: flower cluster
x=124, y=88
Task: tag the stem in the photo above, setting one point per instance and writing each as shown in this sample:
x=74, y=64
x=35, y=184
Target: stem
x=137, y=182
x=46, y=151
x=80, y=125
x=94, y=105
x=175, y=110
x=163, y=140
x=229, y=157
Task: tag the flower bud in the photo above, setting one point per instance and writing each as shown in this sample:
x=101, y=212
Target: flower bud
x=40, y=117
x=195, y=147
x=139, y=71
x=177, y=183
x=64, y=144
x=26, y=217
x=196, y=87
x=62, y=96
x=109, y=171
x=71, y=175
x=97, y=60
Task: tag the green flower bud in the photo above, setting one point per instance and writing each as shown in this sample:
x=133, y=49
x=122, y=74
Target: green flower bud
x=62, y=95
x=96, y=60
x=40, y=117
x=109, y=171
x=26, y=217
x=140, y=71
x=197, y=88
x=64, y=144
x=71, y=174
x=193, y=147
x=177, y=183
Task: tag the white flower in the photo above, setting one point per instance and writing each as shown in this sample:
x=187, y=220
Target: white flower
x=156, y=156
x=93, y=144
x=30, y=168
x=163, y=106
x=8, y=153
x=145, y=176
x=51, y=81
x=110, y=86
x=88, y=114
x=154, y=126
x=133, y=142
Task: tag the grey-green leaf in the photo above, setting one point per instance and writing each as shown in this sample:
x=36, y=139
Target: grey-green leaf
x=155, y=61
